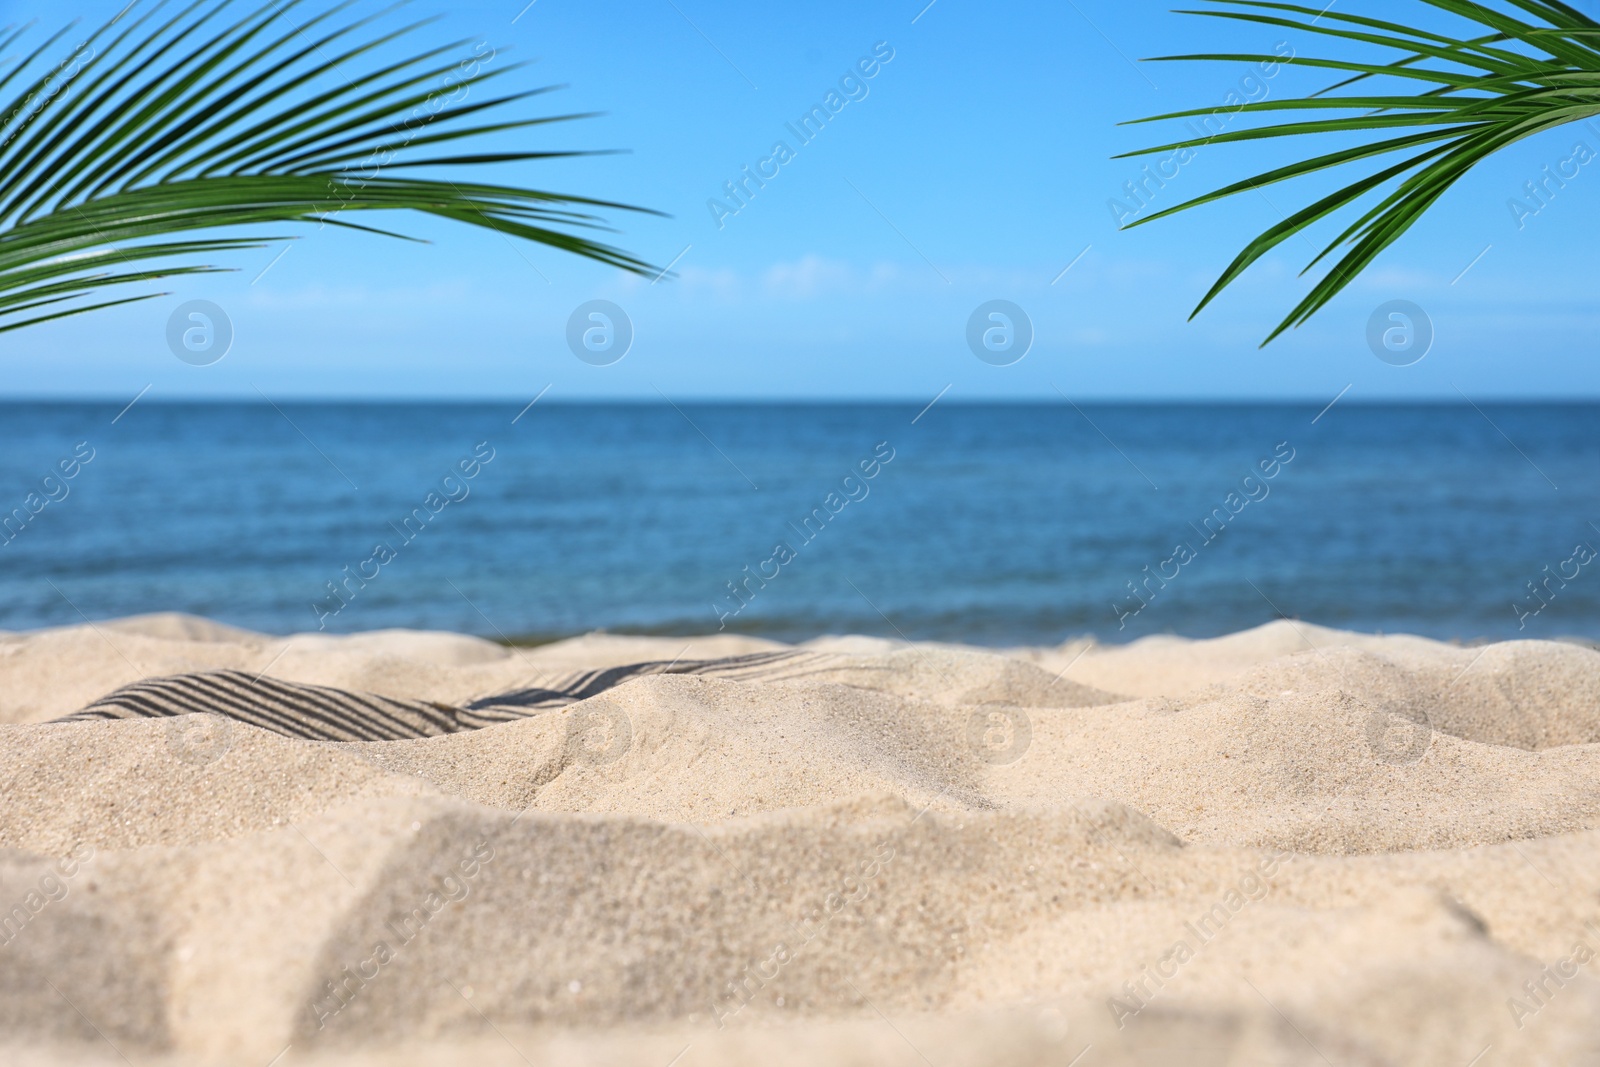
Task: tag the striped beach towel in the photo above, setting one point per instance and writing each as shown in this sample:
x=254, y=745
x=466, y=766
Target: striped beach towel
x=323, y=713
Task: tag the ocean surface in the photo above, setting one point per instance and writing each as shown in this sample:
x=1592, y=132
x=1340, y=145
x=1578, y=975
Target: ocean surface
x=994, y=524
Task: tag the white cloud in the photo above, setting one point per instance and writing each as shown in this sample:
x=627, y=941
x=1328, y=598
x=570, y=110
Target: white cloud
x=810, y=277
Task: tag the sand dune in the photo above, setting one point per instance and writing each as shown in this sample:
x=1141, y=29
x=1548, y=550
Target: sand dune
x=1290, y=846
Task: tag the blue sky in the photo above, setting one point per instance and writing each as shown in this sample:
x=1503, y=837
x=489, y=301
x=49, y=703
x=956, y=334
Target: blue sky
x=975, y=167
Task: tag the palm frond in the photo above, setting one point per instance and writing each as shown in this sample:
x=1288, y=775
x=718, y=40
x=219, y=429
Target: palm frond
x=210, y=116
x=1471, y=97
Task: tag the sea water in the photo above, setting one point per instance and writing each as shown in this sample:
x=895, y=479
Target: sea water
x=994, y=524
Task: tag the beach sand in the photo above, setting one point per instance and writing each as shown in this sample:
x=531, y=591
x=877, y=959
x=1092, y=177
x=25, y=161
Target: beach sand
x=1291, y=845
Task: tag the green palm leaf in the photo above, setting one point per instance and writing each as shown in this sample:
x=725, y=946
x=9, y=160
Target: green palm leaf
x=1472, y=96
x=208, y=115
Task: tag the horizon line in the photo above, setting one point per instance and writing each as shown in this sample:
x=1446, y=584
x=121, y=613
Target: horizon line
x=820, y=401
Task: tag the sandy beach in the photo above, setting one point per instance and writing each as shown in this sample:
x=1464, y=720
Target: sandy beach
x=1290, y=845
x=1130, y=472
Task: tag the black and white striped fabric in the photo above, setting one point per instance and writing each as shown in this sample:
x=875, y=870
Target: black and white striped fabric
x=322, y=713
x=311, y=712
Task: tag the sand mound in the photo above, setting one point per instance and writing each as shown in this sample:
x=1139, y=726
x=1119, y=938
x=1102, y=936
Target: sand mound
x=1292, y=846
x=1525, y=694
x=956, y=676
x=437, y=650
x=169, y=781
x=176, y=626
x=1317, y=771
x=705, y=749
x=1164, y=665
x=597, y=650
x=416, y=920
